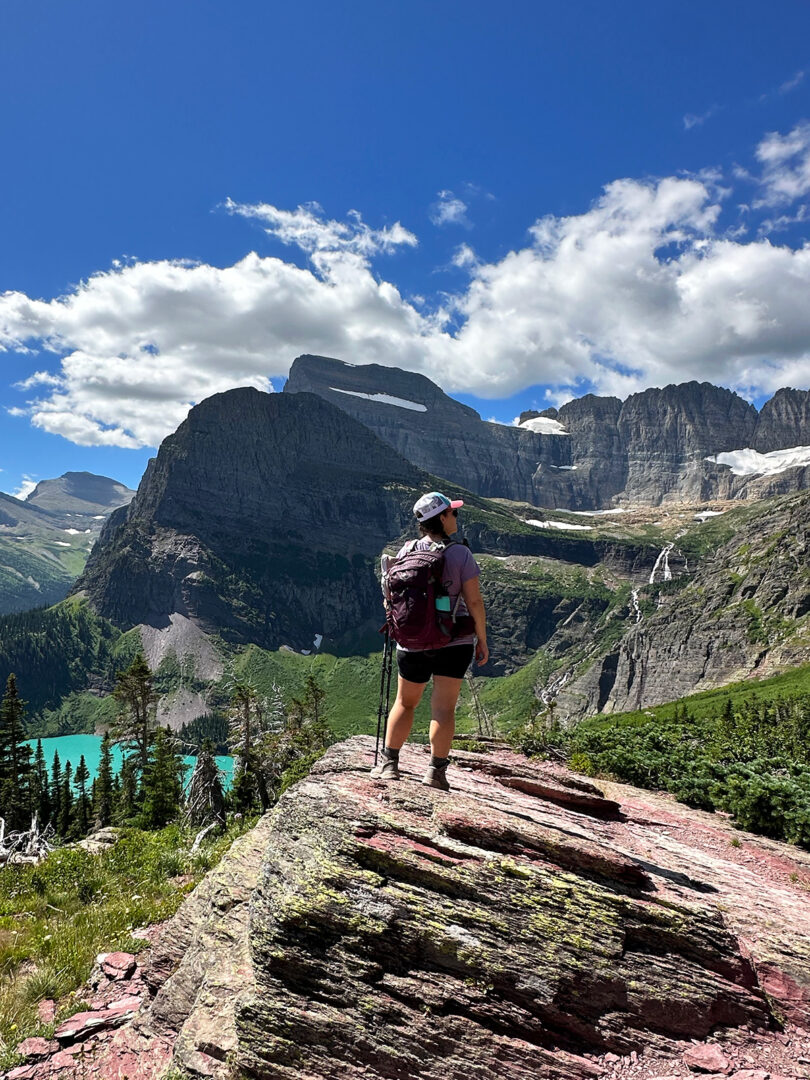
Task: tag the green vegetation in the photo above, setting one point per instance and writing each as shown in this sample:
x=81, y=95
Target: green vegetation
x=510, y=700
x=53, y=650
x=743, y=749
x=57, y=916
x=39, y=565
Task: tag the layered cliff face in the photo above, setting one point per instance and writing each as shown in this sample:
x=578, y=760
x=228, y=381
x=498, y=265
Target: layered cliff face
x=422, y=423
x=743, y=612
x=528, y=923
x=597, y=453
x=592, y=453
x=261, y=518
x=783, y=421
x=667, y=435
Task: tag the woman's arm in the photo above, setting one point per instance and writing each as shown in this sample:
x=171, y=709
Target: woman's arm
x=471, y=591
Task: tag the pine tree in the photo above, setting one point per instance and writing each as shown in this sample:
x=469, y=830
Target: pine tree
x=56, y=788
x=82, y=812
x=103, y=785
x=15, y=759
x=251, y=719
x=162, y=782
x=205, y=798
x=64, y=824
x=303, y=738
x=134, y=690
x=40, y=794
x=126, y=804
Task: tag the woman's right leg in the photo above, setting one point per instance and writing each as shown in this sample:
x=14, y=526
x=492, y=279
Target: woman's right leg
x=400, y=719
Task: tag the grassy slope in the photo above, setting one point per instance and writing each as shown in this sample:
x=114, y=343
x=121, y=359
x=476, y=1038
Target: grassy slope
x=790, y=685
x=38, y=566
x=55, y=917
x=352, y=683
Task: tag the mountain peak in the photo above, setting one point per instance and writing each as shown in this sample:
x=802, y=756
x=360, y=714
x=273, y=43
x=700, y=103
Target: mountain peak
x=79, y=492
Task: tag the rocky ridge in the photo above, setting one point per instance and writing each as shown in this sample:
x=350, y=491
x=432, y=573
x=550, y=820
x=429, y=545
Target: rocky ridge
x=260, y=519
x=527, y=923
x=652, y=448
x=79, y=495
x=742, y=612
x=427, y=427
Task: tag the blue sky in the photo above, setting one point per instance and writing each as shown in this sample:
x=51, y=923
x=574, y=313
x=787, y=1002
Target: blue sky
x=549, y=199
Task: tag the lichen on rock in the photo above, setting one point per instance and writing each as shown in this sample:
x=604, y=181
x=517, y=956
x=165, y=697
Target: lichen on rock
x=401, y=932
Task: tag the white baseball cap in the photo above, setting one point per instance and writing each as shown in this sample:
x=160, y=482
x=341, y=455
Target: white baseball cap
x=432, y=504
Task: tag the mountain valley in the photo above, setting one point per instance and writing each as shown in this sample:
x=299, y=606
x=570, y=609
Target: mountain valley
x=45, y=539
x=257, y=529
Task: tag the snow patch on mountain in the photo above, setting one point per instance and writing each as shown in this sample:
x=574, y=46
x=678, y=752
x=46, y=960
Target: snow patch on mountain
x=544, y=425
x=557, y=525
x=598, y=513
x=750, y=462
x=383, y=399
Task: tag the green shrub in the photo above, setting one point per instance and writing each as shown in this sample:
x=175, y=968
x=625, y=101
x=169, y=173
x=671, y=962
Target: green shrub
x=749, y=758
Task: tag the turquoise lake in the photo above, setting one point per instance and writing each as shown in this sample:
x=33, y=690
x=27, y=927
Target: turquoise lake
x=71, y=748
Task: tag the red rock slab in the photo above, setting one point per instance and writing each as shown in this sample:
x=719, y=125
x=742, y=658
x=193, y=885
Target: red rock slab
x=706, y=1058
x=81, y=1025
x=793, y=999
x=34, y=1048
x=23, y=1072
x=498, y=831
x=130, y=1054
x=571, y=798
x=118, y=965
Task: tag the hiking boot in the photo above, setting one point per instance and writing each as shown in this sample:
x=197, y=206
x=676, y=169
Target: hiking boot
x=388, y=769
x=436, y=776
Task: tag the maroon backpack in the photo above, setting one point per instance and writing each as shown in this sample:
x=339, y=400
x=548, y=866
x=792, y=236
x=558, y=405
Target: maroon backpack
x=412, y=584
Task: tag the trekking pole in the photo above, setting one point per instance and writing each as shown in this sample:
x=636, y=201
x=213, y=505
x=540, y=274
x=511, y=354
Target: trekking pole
x=388, y=680
x=386, y=651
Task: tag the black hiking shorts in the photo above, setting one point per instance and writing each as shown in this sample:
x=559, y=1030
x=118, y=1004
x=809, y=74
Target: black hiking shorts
x=451, y=661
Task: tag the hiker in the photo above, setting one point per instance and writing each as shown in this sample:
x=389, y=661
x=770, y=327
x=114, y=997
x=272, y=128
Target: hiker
x=466, y=636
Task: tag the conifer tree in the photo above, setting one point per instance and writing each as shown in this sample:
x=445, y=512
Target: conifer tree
x=40, y=794
x=64, y=823
x=81, y=816
x=205, y=798
x=103, y=785
x=55, y=788
x=126, y=804
x=251, y=719
x=162, y=781
x=134, y=691
x=15, y=758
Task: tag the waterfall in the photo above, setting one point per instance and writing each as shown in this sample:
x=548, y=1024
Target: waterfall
x=663, y=562
x=550, y=692
x=635, y=605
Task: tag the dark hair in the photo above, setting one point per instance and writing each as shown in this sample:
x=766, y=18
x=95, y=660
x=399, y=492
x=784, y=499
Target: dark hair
x=433, y=528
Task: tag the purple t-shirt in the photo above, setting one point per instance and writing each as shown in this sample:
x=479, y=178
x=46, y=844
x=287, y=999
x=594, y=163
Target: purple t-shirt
x=459, y=566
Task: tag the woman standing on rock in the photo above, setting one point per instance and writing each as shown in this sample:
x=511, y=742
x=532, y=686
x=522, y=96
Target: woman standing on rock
x=438, y=521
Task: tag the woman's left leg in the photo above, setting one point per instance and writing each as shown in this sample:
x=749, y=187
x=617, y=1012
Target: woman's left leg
x=443, y=714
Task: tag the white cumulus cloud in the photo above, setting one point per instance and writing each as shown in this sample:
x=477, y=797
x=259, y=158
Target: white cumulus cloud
x=785, y=163
x=449, y=209
x=643, y=288
x=26, y=486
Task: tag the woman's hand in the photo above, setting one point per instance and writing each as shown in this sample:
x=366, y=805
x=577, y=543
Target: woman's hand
x=471, y=591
